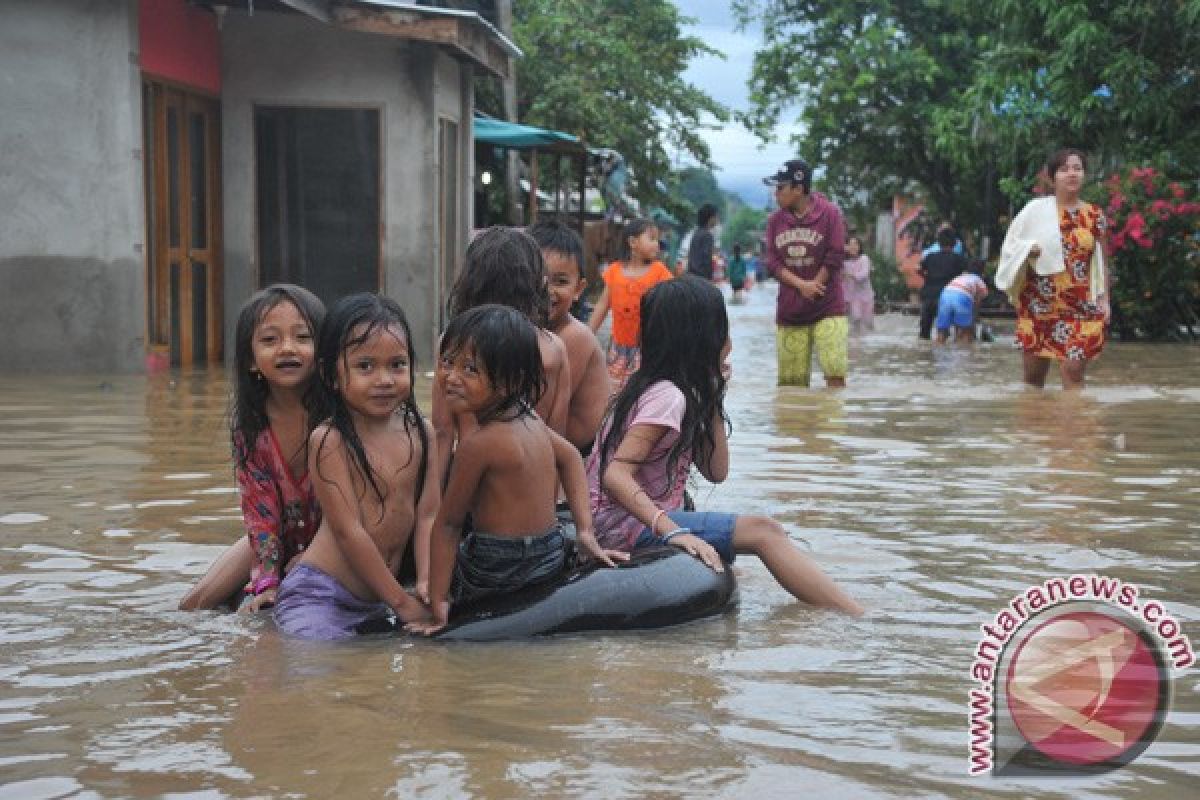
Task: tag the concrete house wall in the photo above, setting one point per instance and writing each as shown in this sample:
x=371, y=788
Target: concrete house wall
x=73, y=266
x=72, y=217
x=291, y=60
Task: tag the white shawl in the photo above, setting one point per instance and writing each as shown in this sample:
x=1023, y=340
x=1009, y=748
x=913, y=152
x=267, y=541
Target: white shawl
x=1038, y=224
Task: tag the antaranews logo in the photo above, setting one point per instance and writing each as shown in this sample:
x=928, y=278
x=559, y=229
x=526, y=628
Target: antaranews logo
x=1072, y=677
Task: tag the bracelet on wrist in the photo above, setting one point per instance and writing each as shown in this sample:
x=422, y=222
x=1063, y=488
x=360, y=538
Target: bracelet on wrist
x=677, y=532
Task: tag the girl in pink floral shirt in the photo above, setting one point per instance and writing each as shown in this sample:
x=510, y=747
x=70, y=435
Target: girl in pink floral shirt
x=272, y=403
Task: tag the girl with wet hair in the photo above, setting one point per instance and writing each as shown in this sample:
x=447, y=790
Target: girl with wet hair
x=506, y=471
x=271, y=414
x=369, y=461
x=671, y=415
x=504, y=266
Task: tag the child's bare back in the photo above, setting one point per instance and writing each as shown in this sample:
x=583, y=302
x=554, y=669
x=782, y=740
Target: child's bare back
x=395, y=455
x=590, y=384
x=510, y=465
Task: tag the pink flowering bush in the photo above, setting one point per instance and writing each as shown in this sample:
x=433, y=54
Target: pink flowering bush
x=1154, y=240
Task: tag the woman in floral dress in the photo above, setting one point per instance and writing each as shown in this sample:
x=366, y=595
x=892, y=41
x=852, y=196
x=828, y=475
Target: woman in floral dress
x=1062, y=316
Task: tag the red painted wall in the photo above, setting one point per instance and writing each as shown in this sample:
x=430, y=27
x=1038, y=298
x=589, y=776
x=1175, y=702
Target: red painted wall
x=180, y=43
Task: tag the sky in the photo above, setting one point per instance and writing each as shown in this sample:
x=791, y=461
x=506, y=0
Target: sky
x=741, y=160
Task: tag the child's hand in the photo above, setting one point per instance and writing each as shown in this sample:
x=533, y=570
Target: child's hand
x=594, y=552
x=260, y=601
x=1035, y=251
x=434, y=620
x=422, y=590
x=701, y=549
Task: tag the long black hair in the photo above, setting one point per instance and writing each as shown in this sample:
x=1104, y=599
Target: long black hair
x=248, y=404
x=506, y=345
x=503, y=265
x=352, y=321
x=683, y=331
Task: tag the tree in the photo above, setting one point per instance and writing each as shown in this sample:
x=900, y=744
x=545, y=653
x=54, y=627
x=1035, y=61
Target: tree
x=745, y=226
x=1117, y=78
x=611, y=72
x=695, y=186
x=870, y=78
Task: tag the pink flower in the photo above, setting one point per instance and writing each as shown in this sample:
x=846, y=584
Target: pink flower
x=1161, y=208
x=1143, y=172
x=1176, y=190
x=1116, y=202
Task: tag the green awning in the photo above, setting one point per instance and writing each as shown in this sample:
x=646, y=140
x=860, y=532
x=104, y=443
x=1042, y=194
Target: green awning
x=512, y=136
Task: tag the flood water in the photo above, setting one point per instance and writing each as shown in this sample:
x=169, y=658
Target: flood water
x=935, y=488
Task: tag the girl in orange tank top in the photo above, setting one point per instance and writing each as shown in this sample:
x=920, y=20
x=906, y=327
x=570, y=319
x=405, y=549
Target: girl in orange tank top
x=625, y=281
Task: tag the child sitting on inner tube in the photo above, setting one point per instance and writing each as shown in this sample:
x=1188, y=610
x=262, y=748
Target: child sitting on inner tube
x=668, y=416
x=505, y=472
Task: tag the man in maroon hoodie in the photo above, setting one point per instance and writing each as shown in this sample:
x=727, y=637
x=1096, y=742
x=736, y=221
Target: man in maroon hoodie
x=806, y=242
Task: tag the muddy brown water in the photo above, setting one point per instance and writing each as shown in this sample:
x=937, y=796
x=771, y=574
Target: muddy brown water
x=935, y=488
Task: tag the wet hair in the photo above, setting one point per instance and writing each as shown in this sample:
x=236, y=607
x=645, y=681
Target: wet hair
x=946, y=237
x=503, y=265
x=675, y=348
x=1058, y=160
x=505, y=344
x=351, y=322
x=634, y=227
x=248, y=405
x=558, y=237
x=705, y=214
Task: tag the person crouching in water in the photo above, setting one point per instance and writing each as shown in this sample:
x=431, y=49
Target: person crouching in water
x=958, y=305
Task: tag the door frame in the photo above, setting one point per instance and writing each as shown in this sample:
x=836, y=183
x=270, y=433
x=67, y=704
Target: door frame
x=166, y=332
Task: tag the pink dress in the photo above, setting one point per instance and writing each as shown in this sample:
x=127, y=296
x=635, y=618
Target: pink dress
x=279, y=509
x=860, y=297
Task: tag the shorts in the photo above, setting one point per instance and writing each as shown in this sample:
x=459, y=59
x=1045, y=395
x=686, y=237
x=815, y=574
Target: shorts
x=714, y=527
x=794, y=349
x=955, y=308
x=489, y=564
x=312, y=604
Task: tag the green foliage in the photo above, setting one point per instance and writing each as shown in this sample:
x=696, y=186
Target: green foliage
x=611, y=72
x=693, y=187
x=1154, y=233
x=952, y=100
x=886, y=279
x=1117, y=78
x=870, y=79
x=745, y=226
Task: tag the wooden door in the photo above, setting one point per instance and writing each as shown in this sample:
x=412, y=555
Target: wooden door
x=184, y=273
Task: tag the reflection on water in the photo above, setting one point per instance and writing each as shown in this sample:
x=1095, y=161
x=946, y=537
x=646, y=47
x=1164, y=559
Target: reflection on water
x=935, y=487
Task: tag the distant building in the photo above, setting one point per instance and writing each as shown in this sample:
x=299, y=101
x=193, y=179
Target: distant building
x=162, y=159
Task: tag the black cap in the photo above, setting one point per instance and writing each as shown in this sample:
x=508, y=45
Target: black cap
x=794, y=171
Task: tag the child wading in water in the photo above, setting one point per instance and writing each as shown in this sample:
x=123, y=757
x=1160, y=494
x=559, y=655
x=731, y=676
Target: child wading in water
x=625, y=282
x=369, y=460
x=505, y=473
x=670, y=415
x=737, y=273
x=270, y=419
x=562, y=250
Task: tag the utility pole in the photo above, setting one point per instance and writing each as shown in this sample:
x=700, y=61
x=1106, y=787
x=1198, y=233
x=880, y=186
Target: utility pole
x=508, y=87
